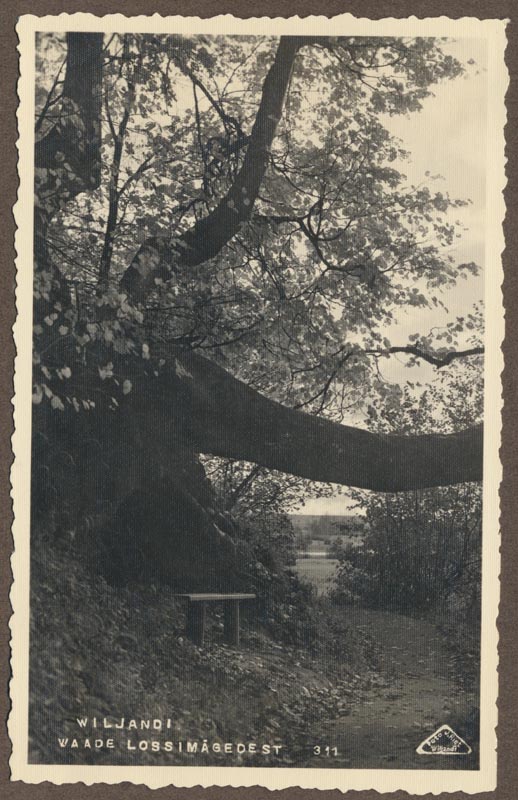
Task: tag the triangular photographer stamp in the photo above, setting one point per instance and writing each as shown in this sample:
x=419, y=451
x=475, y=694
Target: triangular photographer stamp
x=444, y=742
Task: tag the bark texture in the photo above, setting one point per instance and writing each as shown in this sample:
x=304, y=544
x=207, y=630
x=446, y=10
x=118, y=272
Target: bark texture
x=67, y=159
x=201, y=404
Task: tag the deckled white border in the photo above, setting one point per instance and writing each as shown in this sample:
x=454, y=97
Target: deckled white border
x=413, y=781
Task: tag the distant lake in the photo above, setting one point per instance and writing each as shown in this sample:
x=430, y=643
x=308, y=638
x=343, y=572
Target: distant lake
x=312, y=553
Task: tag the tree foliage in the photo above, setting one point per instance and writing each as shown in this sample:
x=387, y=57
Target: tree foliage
x=244, y=202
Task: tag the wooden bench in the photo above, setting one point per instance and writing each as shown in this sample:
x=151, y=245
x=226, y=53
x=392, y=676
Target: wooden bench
x=196, y=614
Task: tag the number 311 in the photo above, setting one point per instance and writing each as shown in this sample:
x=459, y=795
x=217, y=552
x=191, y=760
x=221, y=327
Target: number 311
x=319, y=750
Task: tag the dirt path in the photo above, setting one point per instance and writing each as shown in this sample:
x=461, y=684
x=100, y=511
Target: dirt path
x=420, y=695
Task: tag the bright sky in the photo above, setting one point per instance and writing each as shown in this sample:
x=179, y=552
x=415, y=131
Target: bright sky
x=448, y=137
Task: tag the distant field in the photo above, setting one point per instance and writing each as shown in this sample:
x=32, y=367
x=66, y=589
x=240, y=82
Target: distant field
x=317, y=570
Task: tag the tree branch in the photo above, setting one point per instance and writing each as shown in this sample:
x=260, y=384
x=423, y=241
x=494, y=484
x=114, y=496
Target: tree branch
x=114, y=193
x=437, y=360
x=214, y=413
x=158, y=257
x=226, y=119
x=50, y=98
x=242, y=486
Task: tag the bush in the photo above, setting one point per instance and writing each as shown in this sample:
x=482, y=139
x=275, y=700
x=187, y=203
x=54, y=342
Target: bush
x=421, y=552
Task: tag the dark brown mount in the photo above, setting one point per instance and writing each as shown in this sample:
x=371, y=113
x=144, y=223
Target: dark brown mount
x=194, y=406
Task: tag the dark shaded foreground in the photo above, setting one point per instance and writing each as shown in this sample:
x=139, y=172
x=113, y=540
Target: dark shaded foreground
x=372, y=684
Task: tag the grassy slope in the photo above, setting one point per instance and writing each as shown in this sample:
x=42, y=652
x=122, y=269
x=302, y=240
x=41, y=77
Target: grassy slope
x=101, y=651
x=373, y=683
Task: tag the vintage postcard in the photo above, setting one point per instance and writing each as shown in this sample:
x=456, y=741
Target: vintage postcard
x=257, y=402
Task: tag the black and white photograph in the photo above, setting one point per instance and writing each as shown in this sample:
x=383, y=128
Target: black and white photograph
x=257, y=427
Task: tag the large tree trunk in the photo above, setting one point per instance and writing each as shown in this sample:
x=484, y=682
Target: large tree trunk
x=199, y=403
x=67, y=159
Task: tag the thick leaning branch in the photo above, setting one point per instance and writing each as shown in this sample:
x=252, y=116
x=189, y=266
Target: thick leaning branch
x=160, y=257
x=436, y=360
x=217, y=414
